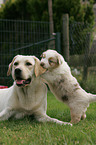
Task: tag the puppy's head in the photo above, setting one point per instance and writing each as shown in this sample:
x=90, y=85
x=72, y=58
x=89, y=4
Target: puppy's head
x=23, y=69
x=51, y=59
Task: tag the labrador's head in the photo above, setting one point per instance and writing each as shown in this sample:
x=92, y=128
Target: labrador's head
x=24, y=68
x=51, y=59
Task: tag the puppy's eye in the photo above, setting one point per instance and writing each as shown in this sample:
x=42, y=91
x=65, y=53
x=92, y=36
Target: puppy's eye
x=50, y=61
x=42, y=56
x=16, y=63
x=28, y=63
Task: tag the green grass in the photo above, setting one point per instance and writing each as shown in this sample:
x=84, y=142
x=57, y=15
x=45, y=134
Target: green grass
x=29, y=132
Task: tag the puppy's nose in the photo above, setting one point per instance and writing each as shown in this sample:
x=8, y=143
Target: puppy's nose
x=42, y=64
x=17, y=71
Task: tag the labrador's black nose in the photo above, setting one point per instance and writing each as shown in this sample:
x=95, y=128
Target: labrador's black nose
x=17, y=72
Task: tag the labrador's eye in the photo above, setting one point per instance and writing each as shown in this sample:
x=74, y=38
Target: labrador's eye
x=16, y=63
x=28, y=63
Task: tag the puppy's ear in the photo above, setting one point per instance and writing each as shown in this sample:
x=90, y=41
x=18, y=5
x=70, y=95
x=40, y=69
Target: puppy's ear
x=38, y=69
x=10, y=66
x=59, y=60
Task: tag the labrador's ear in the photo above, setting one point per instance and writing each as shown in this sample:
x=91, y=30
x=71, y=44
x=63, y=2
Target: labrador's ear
x=9, y=69
x=10, y=66
x=38, y=69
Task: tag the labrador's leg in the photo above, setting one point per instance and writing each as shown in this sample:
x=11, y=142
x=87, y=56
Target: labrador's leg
x=6, y=113
x=20, y=115
x=46, y=118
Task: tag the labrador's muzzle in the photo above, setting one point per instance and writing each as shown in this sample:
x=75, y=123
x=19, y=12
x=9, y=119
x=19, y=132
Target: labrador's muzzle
x=20, y=82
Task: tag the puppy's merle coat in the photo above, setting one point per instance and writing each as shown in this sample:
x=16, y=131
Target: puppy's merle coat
x=64, y=86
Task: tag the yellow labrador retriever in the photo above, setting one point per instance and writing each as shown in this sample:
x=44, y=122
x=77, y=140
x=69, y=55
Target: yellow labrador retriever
x=28, y=95
x=64, y=86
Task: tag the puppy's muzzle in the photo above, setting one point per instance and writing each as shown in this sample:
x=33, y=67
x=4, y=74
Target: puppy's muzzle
x=42, y=64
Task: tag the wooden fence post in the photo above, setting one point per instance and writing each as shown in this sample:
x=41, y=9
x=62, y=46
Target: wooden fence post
x=51, y=27
x=58, y=42
x=66, y=37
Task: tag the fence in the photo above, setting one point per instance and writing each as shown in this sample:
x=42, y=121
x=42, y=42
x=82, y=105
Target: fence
x=78, y=37
x=32, y=38
x=21, y=37
x=82, y=48
x=80, y=42
x=75, y=38
x=78, y=45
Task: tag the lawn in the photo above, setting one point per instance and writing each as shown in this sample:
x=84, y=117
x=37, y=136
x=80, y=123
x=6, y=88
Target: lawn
x=29, y=132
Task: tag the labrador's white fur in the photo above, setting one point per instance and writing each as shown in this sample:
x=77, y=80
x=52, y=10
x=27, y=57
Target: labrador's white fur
x=28, y=95
x=64, y=86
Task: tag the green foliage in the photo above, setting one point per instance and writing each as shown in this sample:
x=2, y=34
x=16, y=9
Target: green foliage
x=77, y=12
x=16, y=10
x=72, y=7
x=38, y=10
x=89, y=14
x=25, y=9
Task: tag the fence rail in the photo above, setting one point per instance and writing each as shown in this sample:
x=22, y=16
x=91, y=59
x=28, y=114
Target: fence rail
x=37, y=43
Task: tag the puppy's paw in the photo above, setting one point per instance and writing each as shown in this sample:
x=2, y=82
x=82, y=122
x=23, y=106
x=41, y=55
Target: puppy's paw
x=83, y=116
